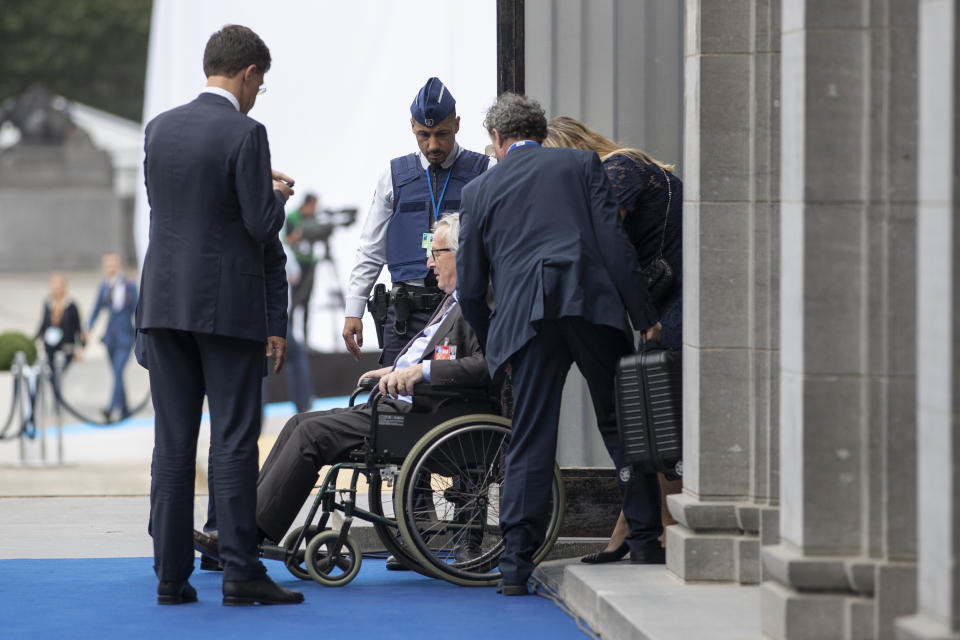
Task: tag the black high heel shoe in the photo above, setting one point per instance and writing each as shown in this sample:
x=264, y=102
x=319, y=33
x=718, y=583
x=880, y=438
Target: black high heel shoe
x=602, y=557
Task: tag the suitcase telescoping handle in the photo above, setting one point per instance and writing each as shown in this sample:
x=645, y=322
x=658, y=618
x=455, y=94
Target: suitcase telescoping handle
x=643, y=344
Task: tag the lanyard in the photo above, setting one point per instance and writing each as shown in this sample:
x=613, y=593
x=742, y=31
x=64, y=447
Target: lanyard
x=522, y=143
x=436, y=204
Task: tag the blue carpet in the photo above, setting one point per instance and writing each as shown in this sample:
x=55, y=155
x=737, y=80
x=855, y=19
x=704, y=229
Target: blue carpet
x=116, y=598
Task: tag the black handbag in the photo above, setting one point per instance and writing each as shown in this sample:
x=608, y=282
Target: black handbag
x=659, y=273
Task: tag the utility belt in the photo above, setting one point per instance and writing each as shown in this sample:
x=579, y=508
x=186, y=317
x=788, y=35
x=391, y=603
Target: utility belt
x=405, y=299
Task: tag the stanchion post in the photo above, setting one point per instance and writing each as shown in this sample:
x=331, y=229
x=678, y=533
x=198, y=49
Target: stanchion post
x=38, y=421
x=59, y=361
x=19, y=362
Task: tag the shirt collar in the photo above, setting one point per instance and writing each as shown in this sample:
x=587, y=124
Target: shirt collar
x=446, y=164
x=224, y=94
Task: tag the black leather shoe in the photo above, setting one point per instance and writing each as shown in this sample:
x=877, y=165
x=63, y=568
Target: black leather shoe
x=651, y=554
x=207, y=544
x=395, y=565
x=175, y=592
x=512, y=589
x=602, y=557
x=237, y=593
x=210, y=564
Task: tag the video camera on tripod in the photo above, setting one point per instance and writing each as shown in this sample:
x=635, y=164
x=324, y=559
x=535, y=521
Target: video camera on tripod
x=320, y=226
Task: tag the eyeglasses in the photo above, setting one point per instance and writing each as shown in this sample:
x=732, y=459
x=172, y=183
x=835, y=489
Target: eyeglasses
x=262, y=90
x=434, y=252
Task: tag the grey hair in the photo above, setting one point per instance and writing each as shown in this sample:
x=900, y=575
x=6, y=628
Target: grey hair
x=517, y=117
x=451, y=222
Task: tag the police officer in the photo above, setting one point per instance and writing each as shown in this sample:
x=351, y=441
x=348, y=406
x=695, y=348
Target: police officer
x=416, y=190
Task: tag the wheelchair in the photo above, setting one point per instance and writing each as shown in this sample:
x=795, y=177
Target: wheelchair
x=441, y=519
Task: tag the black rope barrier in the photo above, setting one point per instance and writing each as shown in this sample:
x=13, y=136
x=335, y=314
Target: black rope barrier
x=28, y=412
x=14, y=403
x=94, y=422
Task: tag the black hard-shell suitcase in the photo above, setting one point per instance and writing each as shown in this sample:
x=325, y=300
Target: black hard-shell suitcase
x=649, y=397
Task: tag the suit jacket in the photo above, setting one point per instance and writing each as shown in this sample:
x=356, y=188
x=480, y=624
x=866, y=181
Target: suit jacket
x=543, y=227
x=469, y=369
x=214, y=263
x=119, y=332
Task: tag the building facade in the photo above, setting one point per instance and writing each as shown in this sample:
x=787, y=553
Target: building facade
x=821, y=300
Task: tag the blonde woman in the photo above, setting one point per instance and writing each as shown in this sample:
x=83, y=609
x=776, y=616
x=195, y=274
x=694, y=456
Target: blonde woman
x=651, y=209
x=60, y=327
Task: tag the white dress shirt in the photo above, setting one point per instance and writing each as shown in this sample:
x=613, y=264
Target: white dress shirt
x=118, y=293
x=372, y=252
x=226, y=94
x=412, y=354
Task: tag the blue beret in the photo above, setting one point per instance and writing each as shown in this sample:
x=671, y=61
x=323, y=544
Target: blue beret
x=432, y=104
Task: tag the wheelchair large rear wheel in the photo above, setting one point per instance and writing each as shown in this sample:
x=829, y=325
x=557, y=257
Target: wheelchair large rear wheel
x=452, y=523
x=381, y=504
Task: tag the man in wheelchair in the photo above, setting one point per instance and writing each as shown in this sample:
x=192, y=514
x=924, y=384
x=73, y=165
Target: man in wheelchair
x=445, y=353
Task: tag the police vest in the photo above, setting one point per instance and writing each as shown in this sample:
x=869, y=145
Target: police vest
x=413, y=211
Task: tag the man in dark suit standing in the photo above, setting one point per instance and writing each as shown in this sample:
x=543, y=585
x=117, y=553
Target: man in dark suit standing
x=213, y=293
x=543, y=228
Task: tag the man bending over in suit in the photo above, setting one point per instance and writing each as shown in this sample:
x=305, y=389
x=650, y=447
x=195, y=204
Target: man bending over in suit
x=544, y=227
x=311, y=440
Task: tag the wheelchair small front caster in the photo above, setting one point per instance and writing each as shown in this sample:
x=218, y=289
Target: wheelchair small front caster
x=297, y=567
x=330, y=563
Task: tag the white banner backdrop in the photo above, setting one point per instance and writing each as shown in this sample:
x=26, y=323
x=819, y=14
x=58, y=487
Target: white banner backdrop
x=337, y=106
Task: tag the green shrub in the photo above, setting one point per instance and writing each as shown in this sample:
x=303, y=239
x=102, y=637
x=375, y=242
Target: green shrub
x=10, y=343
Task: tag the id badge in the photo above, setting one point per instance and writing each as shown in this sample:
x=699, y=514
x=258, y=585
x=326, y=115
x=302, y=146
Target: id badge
x=445, y=352
x=52, y=336
x=426, y=243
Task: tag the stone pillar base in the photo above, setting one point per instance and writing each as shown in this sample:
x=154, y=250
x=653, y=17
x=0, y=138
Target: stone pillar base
x=924, y=627
x=850, y=597
x=792, y=615
x=716, y=541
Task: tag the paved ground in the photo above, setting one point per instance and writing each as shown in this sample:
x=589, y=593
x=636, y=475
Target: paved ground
x=95, y=504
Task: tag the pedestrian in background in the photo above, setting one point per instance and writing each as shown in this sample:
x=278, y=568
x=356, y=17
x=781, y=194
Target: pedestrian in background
x=306, y=260
x=60, y=327
x=118, y=296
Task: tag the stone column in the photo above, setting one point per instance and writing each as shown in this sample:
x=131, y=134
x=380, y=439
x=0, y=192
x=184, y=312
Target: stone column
x=938, y=331
x=845, y=564
x=730, y=254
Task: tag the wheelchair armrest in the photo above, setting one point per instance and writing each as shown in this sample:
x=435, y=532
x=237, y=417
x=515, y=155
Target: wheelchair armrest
x=366, y=384
x=448, y=391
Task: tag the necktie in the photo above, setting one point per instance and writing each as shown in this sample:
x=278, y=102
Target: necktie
x=437, y=317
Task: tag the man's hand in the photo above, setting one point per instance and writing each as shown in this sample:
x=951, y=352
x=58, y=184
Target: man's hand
x=277, y=346
x=283, y=183
x=353, y=327
x=401, y=381
x=375, y=373
x=653, y=333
